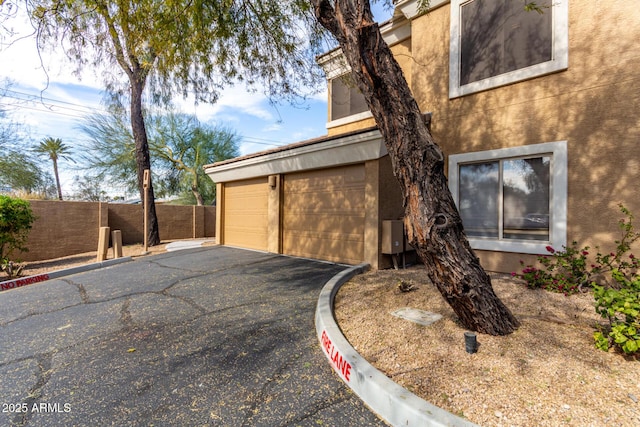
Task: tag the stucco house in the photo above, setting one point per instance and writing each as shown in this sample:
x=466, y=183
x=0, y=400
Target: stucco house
x=538, y=114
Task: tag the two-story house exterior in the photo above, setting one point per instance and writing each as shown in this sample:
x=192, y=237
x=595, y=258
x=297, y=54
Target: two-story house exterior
x=537, y=113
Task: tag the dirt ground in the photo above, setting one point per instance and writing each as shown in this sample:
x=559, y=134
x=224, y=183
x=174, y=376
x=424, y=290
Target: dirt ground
x=547, y=373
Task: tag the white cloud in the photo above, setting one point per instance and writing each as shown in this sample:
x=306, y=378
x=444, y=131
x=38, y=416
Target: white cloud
x=274, y=127
x=233, y=100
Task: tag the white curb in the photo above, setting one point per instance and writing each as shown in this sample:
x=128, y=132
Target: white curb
x=393, y=403
x=29, y=280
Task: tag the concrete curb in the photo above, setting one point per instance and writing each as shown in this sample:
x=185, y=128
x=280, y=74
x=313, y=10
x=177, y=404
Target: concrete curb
x=29, y=280
x=186, y=244
x=393, y=403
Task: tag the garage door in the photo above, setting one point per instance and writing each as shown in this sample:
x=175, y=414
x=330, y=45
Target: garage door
x=323, y=214
x=245, y=213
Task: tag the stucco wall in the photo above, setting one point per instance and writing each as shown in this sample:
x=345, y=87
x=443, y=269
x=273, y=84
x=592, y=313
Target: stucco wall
x=350, y=127
x=594, y=106
x=389, y=206
x=66, y=228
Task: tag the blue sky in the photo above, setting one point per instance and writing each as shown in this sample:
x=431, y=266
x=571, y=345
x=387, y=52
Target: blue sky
x=56, y=110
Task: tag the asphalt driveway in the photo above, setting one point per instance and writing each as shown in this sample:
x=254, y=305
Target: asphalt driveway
x=210, y=336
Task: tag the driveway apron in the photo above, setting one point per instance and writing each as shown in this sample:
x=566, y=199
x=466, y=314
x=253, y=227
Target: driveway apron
x=211, y=336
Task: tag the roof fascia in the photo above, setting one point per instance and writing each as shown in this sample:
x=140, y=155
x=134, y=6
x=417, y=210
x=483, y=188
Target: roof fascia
x=335, y=152
x=410, y=8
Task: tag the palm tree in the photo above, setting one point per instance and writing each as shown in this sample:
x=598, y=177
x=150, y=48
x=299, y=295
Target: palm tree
x=55, y=149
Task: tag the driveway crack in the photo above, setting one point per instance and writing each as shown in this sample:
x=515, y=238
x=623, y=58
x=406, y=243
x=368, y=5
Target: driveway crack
x=186, y=300
x=45, y=362
x=83, y=292
x=125, y=314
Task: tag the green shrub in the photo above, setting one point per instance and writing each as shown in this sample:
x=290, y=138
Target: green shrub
x=16, y=219
x=622, y=309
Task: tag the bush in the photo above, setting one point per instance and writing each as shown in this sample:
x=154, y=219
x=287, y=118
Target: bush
x=568, y=271
x=622, y=308
x=16, y=219
x=562, y=271
x=615, y=280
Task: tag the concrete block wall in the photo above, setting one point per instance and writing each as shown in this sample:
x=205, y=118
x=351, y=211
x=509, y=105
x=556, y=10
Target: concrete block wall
x=65, y=228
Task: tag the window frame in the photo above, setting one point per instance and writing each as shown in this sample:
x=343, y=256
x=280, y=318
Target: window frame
x=559, y=60
x=349, y=117
x=557, y=195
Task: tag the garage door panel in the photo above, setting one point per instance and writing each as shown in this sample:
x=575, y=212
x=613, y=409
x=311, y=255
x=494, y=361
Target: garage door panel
x=323, y=214
x=325, y=224
x=342, y=248
x=327, y=201
x=245, y=213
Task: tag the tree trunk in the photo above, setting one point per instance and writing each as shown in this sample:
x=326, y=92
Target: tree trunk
x=194, y=186
x=143, y=160
x=198, y=196
x=433, y=224
x=57, y=176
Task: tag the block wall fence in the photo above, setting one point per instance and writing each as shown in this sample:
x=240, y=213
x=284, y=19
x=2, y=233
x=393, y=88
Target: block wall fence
x=65, y=228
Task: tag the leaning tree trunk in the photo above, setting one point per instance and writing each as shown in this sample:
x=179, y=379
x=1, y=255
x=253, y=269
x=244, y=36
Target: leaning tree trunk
x=432, y=220
x=143, y=160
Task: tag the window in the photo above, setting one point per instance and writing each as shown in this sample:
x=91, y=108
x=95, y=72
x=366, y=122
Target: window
x=497, y=42
x=512, y=199
x=346, y=99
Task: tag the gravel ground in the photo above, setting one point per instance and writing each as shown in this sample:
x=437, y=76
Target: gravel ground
x=547, y=373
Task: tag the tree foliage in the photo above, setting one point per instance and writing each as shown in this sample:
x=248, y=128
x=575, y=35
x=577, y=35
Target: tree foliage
x=180, y=145
x=192, y=48
x=184, y=146
x=110, y=152
x=89, y=188
x=187, y=47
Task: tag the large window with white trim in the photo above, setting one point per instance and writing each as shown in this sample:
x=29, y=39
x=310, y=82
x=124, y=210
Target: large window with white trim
x=512, y=199
x=498, y=42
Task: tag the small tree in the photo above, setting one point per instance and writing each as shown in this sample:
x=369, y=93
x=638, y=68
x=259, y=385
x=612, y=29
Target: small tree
x=184, y=145
x=16, y=219
x=55, y=149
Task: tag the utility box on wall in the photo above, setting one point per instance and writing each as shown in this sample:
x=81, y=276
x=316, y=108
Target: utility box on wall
x=392, y=237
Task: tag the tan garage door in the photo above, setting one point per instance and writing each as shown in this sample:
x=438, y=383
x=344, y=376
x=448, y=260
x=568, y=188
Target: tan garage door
x=323, y=214
x=245, y=213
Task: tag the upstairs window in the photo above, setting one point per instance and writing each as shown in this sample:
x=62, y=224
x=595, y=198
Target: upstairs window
x=346, y=99
x=497, y=42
